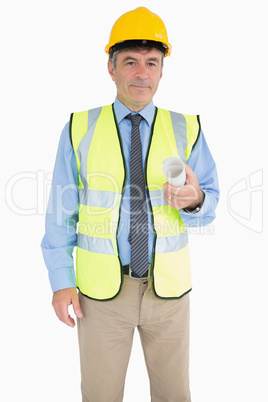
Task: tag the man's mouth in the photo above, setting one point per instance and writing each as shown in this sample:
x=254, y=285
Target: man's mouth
x=138, y=86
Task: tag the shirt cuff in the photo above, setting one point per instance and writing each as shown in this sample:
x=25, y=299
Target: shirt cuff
x=62, y=278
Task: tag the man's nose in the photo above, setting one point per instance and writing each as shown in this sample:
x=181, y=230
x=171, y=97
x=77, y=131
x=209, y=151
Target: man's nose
x=141, y=72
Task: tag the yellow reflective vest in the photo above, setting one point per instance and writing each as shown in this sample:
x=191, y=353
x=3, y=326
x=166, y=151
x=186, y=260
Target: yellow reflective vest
x=102, y=176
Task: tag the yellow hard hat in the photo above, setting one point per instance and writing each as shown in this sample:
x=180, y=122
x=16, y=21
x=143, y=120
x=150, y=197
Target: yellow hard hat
x=139, y=25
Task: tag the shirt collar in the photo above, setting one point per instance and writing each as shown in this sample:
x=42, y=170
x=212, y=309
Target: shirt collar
x=121, y=111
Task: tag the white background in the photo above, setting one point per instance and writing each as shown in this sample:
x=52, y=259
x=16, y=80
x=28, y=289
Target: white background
x=53, y=63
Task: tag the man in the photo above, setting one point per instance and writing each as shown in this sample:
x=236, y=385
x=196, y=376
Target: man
x=132, y=258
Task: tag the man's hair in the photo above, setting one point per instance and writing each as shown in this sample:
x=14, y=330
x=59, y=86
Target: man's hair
x=113, y=55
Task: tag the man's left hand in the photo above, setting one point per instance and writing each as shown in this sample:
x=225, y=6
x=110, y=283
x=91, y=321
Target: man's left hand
x=188, y=196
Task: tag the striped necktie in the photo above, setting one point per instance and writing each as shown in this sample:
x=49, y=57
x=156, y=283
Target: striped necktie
x=138, y=236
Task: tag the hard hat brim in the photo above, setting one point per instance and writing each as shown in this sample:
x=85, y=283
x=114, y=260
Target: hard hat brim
x=131, y=43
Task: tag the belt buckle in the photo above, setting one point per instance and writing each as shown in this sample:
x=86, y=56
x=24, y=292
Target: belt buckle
x=143, y=277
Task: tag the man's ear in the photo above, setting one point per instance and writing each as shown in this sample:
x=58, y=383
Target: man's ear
x=111, y=70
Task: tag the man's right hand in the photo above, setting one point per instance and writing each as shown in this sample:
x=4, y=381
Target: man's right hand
x=64, y=298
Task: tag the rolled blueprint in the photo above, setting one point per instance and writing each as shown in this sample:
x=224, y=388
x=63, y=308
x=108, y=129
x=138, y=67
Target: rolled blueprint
x=173, y=169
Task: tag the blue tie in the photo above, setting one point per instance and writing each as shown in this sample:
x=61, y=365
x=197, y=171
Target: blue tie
x=138, y=236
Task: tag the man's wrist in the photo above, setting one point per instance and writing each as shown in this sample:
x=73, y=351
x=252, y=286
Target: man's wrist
x=196, y=208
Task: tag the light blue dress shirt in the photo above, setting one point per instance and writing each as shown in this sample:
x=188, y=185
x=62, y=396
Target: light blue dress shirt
x=62, y=212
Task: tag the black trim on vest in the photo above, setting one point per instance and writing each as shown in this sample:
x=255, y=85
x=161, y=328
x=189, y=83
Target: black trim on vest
x=70, y=129
x=102, y=300
x=122, y=192
x=199, y=131
x=147, y=191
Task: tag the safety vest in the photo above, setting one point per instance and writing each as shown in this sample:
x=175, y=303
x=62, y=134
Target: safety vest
x=102, y=177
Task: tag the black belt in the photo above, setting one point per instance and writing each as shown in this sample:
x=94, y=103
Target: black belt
x=127, y=271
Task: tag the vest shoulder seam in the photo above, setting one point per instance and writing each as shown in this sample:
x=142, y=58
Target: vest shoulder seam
x=93, y=108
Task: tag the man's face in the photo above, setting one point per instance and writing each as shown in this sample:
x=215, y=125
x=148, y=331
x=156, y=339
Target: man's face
x=137, y=75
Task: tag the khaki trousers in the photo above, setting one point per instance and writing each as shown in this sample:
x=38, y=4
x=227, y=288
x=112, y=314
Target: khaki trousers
x=105, y=335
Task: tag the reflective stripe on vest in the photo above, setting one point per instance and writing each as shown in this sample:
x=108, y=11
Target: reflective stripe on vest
x=102, y=176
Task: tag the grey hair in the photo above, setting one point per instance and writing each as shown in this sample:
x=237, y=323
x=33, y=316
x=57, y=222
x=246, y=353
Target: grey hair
x=113, y=55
